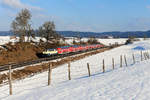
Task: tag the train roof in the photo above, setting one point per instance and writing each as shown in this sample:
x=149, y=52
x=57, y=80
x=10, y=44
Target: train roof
x=63, y=47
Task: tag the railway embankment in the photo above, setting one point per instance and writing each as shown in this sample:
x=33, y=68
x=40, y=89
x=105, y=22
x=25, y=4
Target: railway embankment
x=29, y=71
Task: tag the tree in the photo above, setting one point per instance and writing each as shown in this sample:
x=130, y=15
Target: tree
x=145, y=37
x=20, y=25
x=92, y=40
x=79, y=37
x=47, y=30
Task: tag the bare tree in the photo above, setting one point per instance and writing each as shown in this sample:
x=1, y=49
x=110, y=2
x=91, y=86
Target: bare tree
x=145, y=37
x=20, y=26
x=30, y=33
x=47, y=30
x=92, y=40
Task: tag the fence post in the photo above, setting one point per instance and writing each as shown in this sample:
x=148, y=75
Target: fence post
x=121, y=61
x=148, y=55
x=141, y=56
x=49, y=74
x=125, y=60
x=145, y=56
x=69, y=76
x=103, y=66
x=113, y=64
x=10, y=81
x=133, y=58
x=88, y=67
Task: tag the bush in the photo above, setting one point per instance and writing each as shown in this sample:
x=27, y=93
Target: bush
x=93, y=41
x=129, y=41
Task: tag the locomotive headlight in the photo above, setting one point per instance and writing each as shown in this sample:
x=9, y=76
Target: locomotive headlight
x=45, y=52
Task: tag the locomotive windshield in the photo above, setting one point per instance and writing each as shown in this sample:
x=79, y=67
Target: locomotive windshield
x=50, y=49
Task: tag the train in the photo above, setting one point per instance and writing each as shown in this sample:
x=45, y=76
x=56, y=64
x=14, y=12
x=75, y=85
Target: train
x=71, y=49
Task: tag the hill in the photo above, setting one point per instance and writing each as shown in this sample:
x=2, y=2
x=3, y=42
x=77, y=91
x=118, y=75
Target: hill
x=115, y=34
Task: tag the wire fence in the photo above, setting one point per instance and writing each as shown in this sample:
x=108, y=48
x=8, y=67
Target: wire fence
x=70, y=71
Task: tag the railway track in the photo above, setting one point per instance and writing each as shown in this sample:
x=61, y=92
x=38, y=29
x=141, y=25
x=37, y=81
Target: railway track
x=40, y=60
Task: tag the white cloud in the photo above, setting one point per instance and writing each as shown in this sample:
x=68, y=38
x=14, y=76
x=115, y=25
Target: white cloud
x=19, y=4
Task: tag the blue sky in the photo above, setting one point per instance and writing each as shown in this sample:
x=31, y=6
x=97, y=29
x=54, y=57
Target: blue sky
x=81, y=15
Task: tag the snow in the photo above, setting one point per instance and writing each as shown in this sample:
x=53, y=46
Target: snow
x=142, y=46
x=112, y=41
x=127, y=83
x=103, y=41
x=6, y=39
x=139, y=48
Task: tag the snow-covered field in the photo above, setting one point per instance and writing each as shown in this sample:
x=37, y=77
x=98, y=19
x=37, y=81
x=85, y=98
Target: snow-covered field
x=127, y=83
x=103, y=41
x=6, y=39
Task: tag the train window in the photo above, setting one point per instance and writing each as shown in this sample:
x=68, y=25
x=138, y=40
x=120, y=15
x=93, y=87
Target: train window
x=50, y=49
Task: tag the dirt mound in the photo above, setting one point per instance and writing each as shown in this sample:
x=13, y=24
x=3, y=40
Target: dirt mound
x=19, y=52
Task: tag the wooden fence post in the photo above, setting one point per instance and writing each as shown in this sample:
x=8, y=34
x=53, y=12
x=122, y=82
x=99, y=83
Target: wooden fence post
x=141, y=56
x=125, y=60
x=10, y=81
x=133, y=58
x=121, y=61
x=103, y=66
x=148, y=55
x=113, y=64
x=88, y=67
x=69, y=76
x=145, y=56
x=49, y=74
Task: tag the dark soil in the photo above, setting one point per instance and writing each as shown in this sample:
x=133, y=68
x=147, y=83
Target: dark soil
x=19, y=52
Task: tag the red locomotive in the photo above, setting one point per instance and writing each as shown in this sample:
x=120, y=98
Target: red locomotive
x=69, y=49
